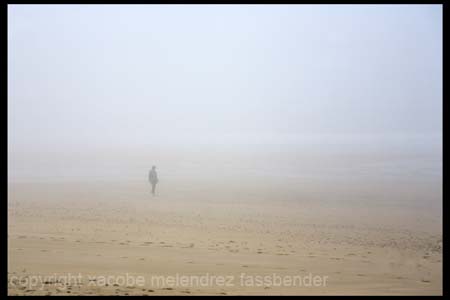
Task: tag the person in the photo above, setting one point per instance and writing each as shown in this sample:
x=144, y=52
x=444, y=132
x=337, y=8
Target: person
x=153, y=178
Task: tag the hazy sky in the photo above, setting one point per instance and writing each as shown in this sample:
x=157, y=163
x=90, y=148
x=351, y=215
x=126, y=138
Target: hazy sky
x=119, y=74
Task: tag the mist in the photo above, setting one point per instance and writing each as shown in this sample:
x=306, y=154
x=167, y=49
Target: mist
x=103, y=92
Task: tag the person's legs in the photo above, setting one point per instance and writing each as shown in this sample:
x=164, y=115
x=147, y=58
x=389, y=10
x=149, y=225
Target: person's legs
x=153, y=188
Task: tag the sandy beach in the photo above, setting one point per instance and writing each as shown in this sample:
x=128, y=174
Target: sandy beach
x=293, y=149
x=96, y=230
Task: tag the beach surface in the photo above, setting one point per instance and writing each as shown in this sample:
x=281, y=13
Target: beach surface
x=223, y=238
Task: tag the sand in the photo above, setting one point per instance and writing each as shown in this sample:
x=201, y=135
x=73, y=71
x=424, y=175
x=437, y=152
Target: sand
x=109, y=232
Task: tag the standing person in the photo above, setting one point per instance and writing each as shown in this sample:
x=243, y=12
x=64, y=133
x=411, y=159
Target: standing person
x=153, y=178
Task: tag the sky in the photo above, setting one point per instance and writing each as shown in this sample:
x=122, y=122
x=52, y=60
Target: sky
x=114, y=76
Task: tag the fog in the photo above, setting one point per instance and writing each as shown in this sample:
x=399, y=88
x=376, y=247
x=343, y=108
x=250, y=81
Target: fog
x=312, y=92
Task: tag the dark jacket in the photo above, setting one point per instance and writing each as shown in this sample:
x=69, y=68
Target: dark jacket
x=153, y=177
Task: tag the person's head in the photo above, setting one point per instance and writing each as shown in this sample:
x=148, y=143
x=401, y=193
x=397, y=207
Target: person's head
x=153, y=167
